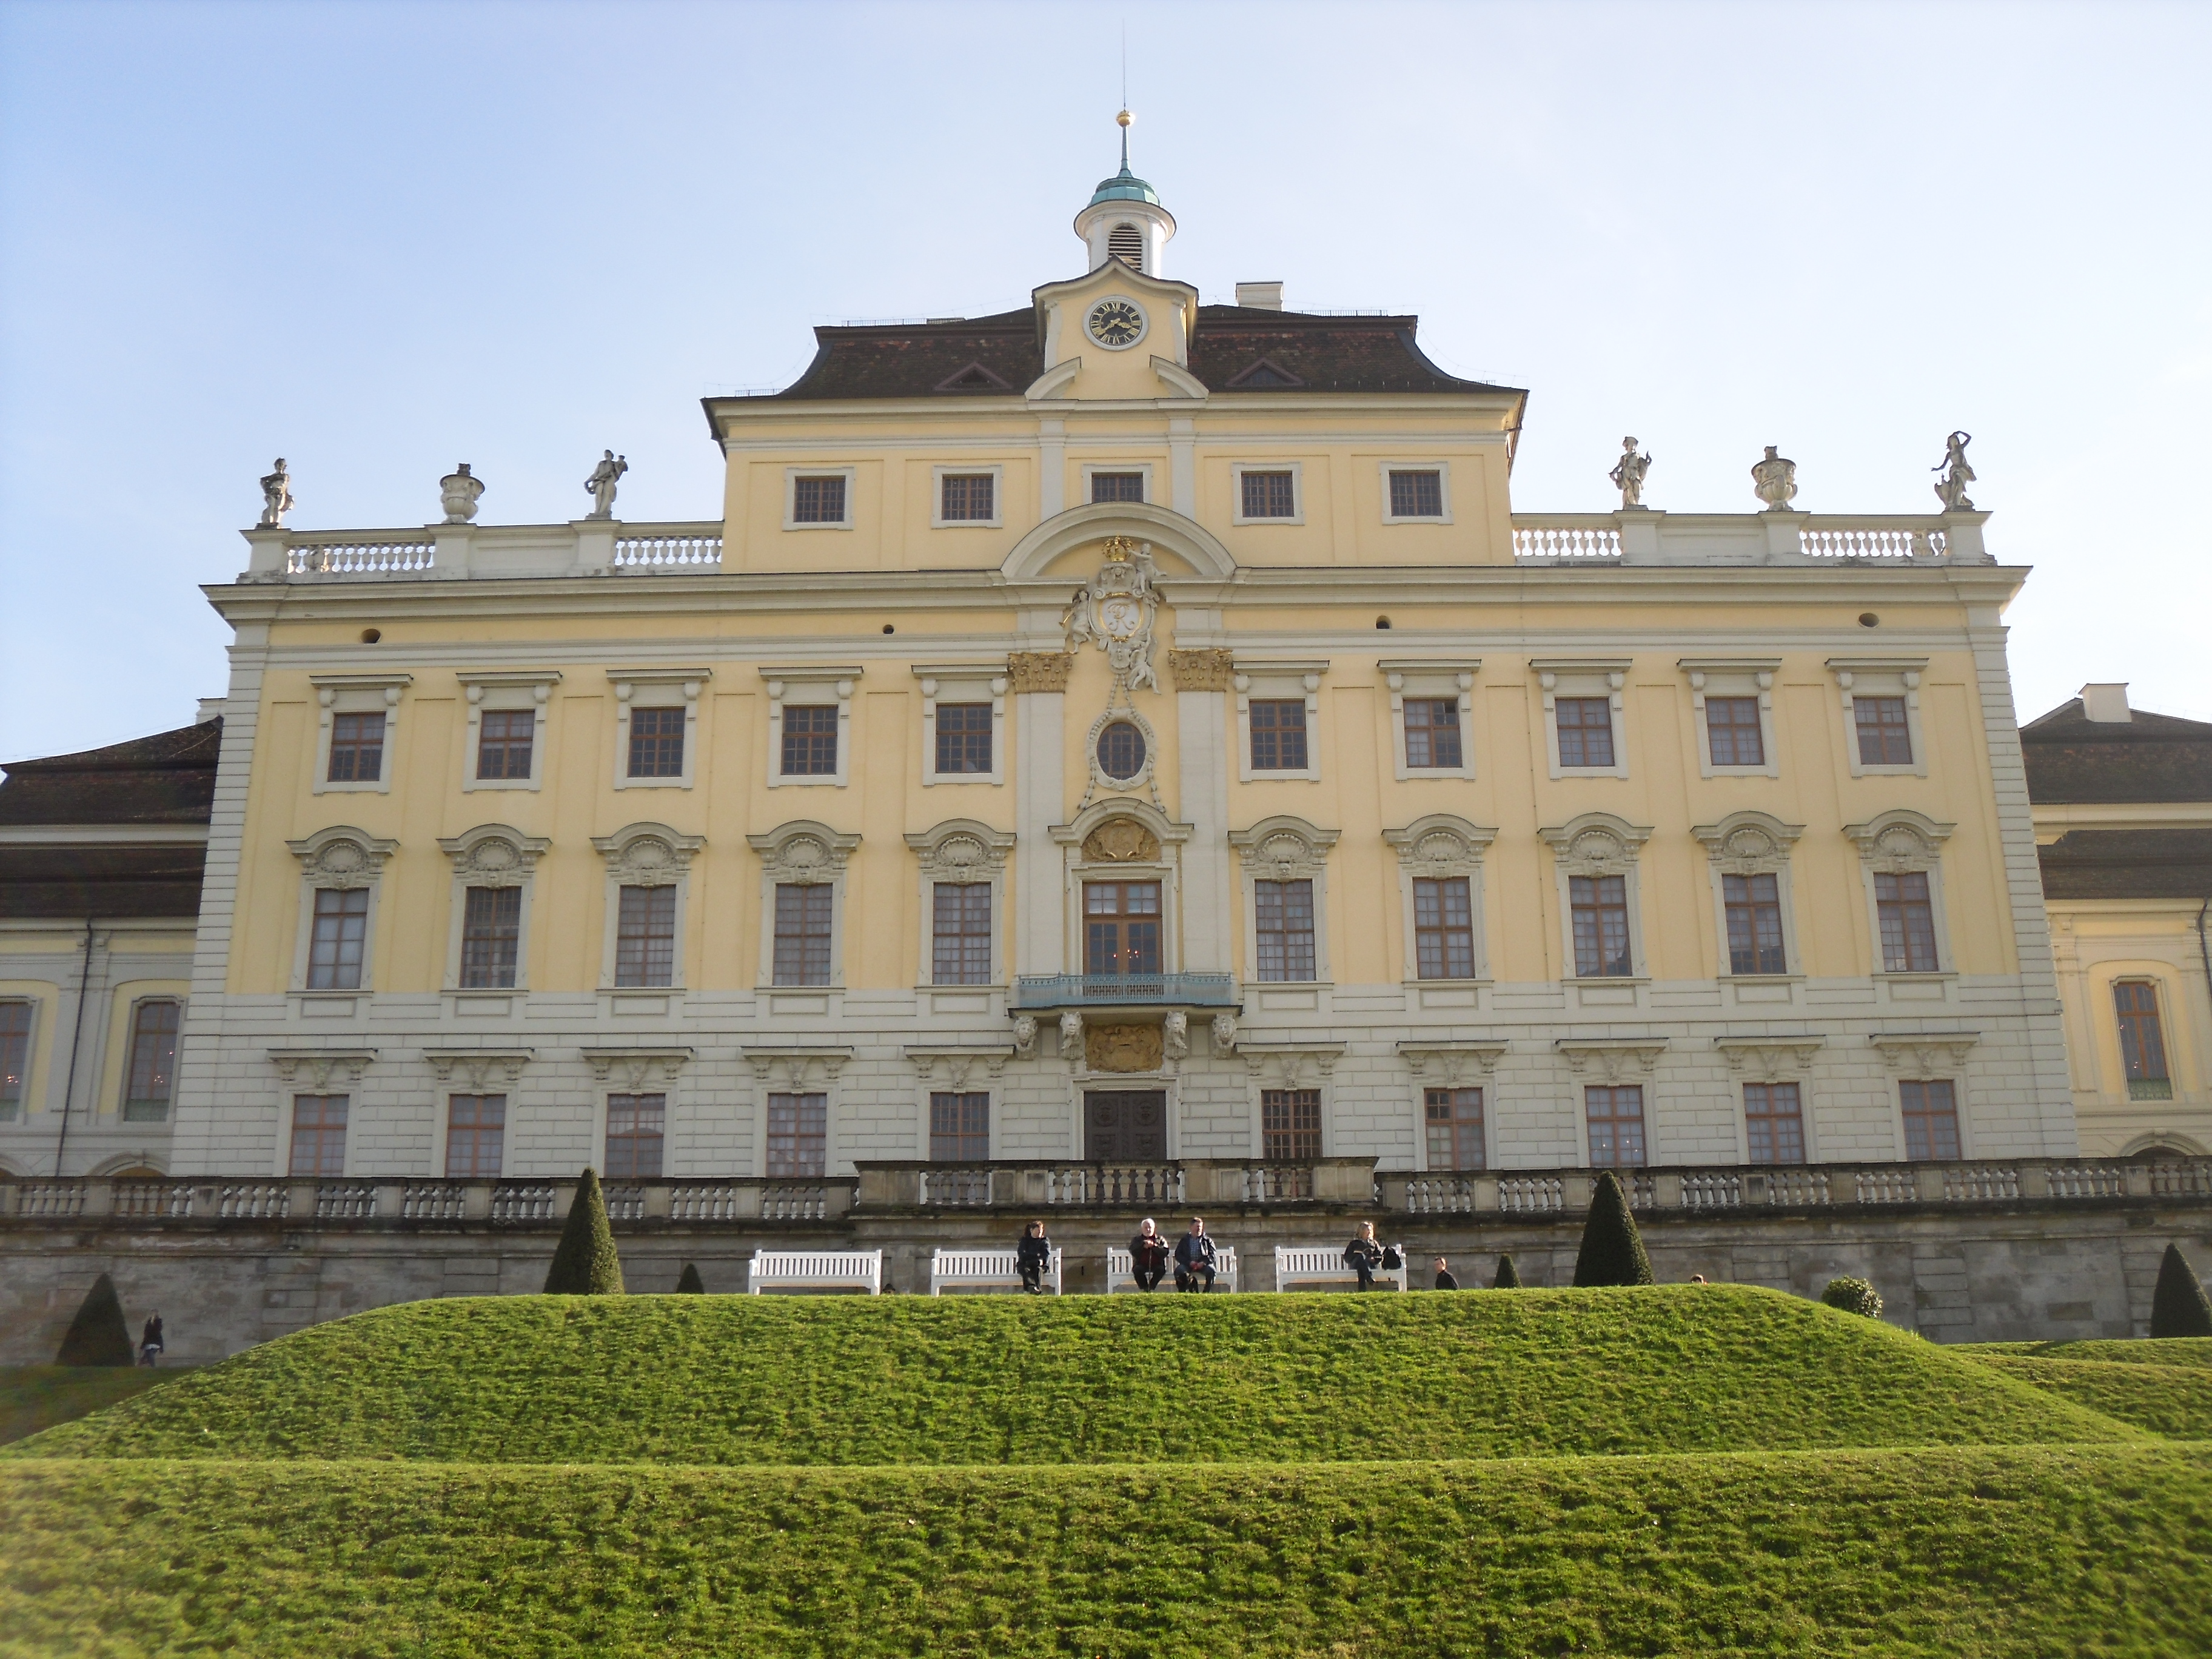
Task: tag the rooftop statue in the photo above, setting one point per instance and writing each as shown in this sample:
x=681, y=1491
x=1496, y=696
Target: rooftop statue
x=1774, y=479
x=1951, y=488
x=276, y=497
x=1627, y=475
x=458, y=492
x=602, y=483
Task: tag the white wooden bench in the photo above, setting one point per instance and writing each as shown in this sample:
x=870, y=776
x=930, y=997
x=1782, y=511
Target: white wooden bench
x=1120, y=1276
x=1300, y=1265
x=815, y=1270
x=974, y=1269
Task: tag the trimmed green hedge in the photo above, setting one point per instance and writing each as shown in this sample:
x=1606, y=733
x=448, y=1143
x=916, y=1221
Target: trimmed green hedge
x=35, y=1397
x=758, y=1380
x=2165, y=1350
x=2174, y=1400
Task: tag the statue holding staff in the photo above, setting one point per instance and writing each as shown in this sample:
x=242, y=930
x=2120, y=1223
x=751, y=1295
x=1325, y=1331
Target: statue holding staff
x=602, y=483
x=1627, y=475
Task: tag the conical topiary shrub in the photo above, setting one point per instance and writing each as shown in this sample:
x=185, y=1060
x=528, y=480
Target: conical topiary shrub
x=2177, y=1306
x=585, y=1263
x=690, y=1283
x=1853, y=1296
x=98, y=1336
x=1613, y=1250
x=1509, y=1276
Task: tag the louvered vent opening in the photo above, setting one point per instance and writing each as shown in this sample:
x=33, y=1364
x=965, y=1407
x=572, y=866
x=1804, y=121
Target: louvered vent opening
x=1126, y=244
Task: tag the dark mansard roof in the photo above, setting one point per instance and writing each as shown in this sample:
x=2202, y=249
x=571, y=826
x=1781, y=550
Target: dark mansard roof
x=2148, y=760
x=165, y=780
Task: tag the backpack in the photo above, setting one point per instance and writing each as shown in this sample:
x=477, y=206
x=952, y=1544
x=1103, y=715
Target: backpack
x=1391, y=1259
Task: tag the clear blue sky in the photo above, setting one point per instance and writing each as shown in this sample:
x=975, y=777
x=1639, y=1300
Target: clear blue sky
x=379, y=239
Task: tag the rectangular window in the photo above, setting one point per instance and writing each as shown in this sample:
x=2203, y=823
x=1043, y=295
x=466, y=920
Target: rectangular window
x=1454, y=1125
x=1732, y=725
x=966, y=496
x=1283, y=914
x=798, y=1135
x=645, y=936
x=1417, y=495
x=959, y=1128
x=1444, y=928
x=1908, y=923
x=1754, y=924
x=1931, y=1117
x=1432, y=734
x=1585, y=725
x=809, y=740
x=1616, y=1127
x=802, y=933
x=14, y=1057
x=356, y=748
x=1269, y=496
x=656, y=743
x=1290, y=1125
x=961, y=932
x=505, y=738
x=1600, y=918
x=475, y=1134
x=318, y=1131
x=153, y=1075
x=1279, y=734
x=1121, y=927
x=964, y=738
x=637, y=1126
x=340, y=935
x=819, y=500
x=1117, y=486
x=1774, y=1123
x=2142, y=1045
x=491, y=936
x=1885, y=738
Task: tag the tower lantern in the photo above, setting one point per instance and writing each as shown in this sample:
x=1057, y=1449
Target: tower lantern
x=1125, y=219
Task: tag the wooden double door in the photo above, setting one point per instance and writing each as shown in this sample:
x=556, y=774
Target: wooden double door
x=1125, y=1125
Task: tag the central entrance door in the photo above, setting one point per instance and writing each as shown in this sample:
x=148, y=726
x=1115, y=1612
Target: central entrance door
x=1125, y=1126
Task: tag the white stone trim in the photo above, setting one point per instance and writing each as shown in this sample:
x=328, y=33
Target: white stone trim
x=1599, y=844
x=504, y=690
x=937, y=476
x=1152, y=494
x=1237, y=472
x=1432, y=679
x=1142, y=777
x=802, y=854
x=357, y=694
x=1440, y=466
x=1902, y=842
x=956, y=683
x=1751, y=844
x=1442, y=845
x=962, y=851
x=1076, y=869
x=1882, y=677
x=489, y=855
x=1573, y=676
x=339, y=857
x=791, y=476
x=1284, y=848
x=646, y=855
x=1928, y=1057
x=1285, y=682
x=1734, y=676
x=810, y=686
x=661, y=688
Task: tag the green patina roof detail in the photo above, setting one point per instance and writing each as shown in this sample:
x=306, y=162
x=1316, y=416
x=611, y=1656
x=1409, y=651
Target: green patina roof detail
x=1125, y=186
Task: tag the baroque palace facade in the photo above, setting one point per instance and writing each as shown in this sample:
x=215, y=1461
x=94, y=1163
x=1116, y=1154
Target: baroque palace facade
x=1121, y=755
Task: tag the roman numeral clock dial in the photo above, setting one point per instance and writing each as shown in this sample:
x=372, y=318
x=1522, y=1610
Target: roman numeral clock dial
x=1116, y=324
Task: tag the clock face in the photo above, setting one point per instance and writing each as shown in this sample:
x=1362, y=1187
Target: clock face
x=1116, y=323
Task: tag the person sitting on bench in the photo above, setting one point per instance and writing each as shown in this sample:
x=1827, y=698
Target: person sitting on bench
x=1148, y=1256
x=1363, y=1255
x=1194, y=1257
x=1033, y=1257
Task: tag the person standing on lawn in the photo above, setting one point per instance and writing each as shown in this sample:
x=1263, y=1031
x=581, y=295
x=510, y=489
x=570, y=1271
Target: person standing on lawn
x=1445, y=1279
x=1363, y=1255
x=1033, y=1257
x=1194, y=1258
x=1148, y=1256
x=149, y=1340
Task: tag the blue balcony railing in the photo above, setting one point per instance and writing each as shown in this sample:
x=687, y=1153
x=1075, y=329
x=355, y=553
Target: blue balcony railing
x=1124, y=990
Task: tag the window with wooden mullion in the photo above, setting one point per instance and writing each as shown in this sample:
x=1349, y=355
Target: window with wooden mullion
x=1432, y=739
x=959, y=1128
x=1283, y=923
x=14, y=1055
x=656, y=743
x=966, y=497
x=809, y=740
x=1444, y=928
x=645, y=936
x=964, y=738
x=1601, y=927
x=1907, y=915
x=1279, y=734
x=1616, y=1125
x=1121, y=927
x=636, y=1131
x=1290, y=1125
x=2142, y=1043
x=803, y=912
x=1732, y=729
x=338, y=939
x=1585, y=729
x=1753, y=904
x=476, y=1136
x=1930, y=1110
x=1454, y=1127
x=798, y=1136
x=491, y=936
x=356, y=748
x=961, y=932
x=1885, y=732
x=1774, y=1123
x=504, y=739
x=319, y=1132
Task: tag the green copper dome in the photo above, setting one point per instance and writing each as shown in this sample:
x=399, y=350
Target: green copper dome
x=1125, y=186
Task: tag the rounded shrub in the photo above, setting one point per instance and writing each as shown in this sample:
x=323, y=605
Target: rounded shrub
x=98, y=1335
x=2177, y=1306
x=1509, y=1276
x=1853, y=1296
x=1613, y=1250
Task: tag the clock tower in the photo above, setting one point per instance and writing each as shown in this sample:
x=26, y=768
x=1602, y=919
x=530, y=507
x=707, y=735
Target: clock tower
x=1124, y=219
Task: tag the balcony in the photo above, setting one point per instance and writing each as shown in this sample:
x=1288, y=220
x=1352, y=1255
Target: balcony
x=1048, y=992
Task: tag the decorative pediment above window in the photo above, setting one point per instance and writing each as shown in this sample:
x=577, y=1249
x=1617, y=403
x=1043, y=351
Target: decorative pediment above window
x=1284, y=849
x=635, y=1069
x=961, y=849
x=797, y=1068
x=1453, y=1058
x=1749, y=843
x=341, y=856
x=951, y=1067
x=1261, y=375
x=803, y=851
x=974, y=378
x=478, y=1069
x=1290, y=1065
x=648, y=855
x=1901, y=841
x=319, y=1068
x=1617, y=1059
x=493, y=854
x=1597, y=844
x=1769, y=1058
x=1924, y=1053
x=1441, y=844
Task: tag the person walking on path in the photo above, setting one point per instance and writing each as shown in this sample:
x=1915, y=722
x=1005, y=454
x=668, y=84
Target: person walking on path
x=1148, y=1256
x=1363, y=1255
x=1033, y=1257
x=1194, y=1255
x=1445, y=1279
x=149, y=1342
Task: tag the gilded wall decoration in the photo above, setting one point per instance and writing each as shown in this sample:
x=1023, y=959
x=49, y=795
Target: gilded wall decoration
x=1040, y=670
x=1121, y=841
x=1123, y=1047
x=1201, y=671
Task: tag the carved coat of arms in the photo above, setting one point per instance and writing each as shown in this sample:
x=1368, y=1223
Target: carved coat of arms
x=1115, y=612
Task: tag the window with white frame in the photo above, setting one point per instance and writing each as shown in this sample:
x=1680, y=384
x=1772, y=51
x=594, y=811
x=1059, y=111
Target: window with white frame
x=967, y=498
x=657, y=726
x=1583, y=716
x=1269, y=493
x=962, y=723
x=17, y=1017
x=803, y=869
x=963, y=871
x=1432, y=717
x=649, y=875
x=493, y=865
x=504, y=746
x=339, y=871
x=1900, y=854
x=1440, y=881
x=1748, y=853
x=1732, y=703
x=810, y=721
x=150, y=1069
x=1416, y=492
x=1596, y=858
x=1286, y=862
x=1277, y=719
x=2142, y=1040
x=1117, y=482
x=358, y=719
x=818, y=498
x=1880, y=702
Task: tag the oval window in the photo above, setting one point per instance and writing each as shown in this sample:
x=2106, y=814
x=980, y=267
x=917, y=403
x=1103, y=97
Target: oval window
x=1120, y=750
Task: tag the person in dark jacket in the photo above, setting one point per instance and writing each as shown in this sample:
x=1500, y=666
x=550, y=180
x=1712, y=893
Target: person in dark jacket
x=1445, y=1279
x=1148, y=1256
x=1193, y=1258
x=149, y=1342
x=1033, y=1257
x=1363, y=1255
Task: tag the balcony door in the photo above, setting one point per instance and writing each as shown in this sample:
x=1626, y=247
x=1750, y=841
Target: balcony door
x=1122, y=929
x=1125, y=1126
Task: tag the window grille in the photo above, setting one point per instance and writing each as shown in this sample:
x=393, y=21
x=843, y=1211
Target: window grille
x=1443, y=927
x=656, y=743
x=1284, y=919
x=809, y=740
x=1290, y=1125
x=1126, y=242
x=491, y=936
x=802, y=933
x=1754, y=924
x=645, y=936
x=1417, y=495
x=1601, y=923
x=340, y=935
x=1269, y=496
x=819, y=500
x=964, y=738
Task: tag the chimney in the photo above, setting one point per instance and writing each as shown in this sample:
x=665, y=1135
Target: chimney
x=1260, y=296
x=2106, y=704
x=209, y=708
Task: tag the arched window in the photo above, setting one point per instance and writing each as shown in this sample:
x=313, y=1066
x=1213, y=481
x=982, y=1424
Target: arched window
x=1126, y=242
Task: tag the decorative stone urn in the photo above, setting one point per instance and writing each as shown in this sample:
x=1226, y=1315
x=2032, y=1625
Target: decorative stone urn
x=458, y=493
x=1774, y=480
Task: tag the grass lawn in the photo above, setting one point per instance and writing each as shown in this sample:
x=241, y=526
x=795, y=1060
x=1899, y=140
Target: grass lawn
x=2165, y=1350
x=35, y=1397
x=1280, y=1379
x=2173, y=1401
x=1953, y=1551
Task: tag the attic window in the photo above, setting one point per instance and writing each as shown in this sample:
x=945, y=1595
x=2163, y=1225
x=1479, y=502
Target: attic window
x=974, y=378
x=1264, y=372
x=1126, y=242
